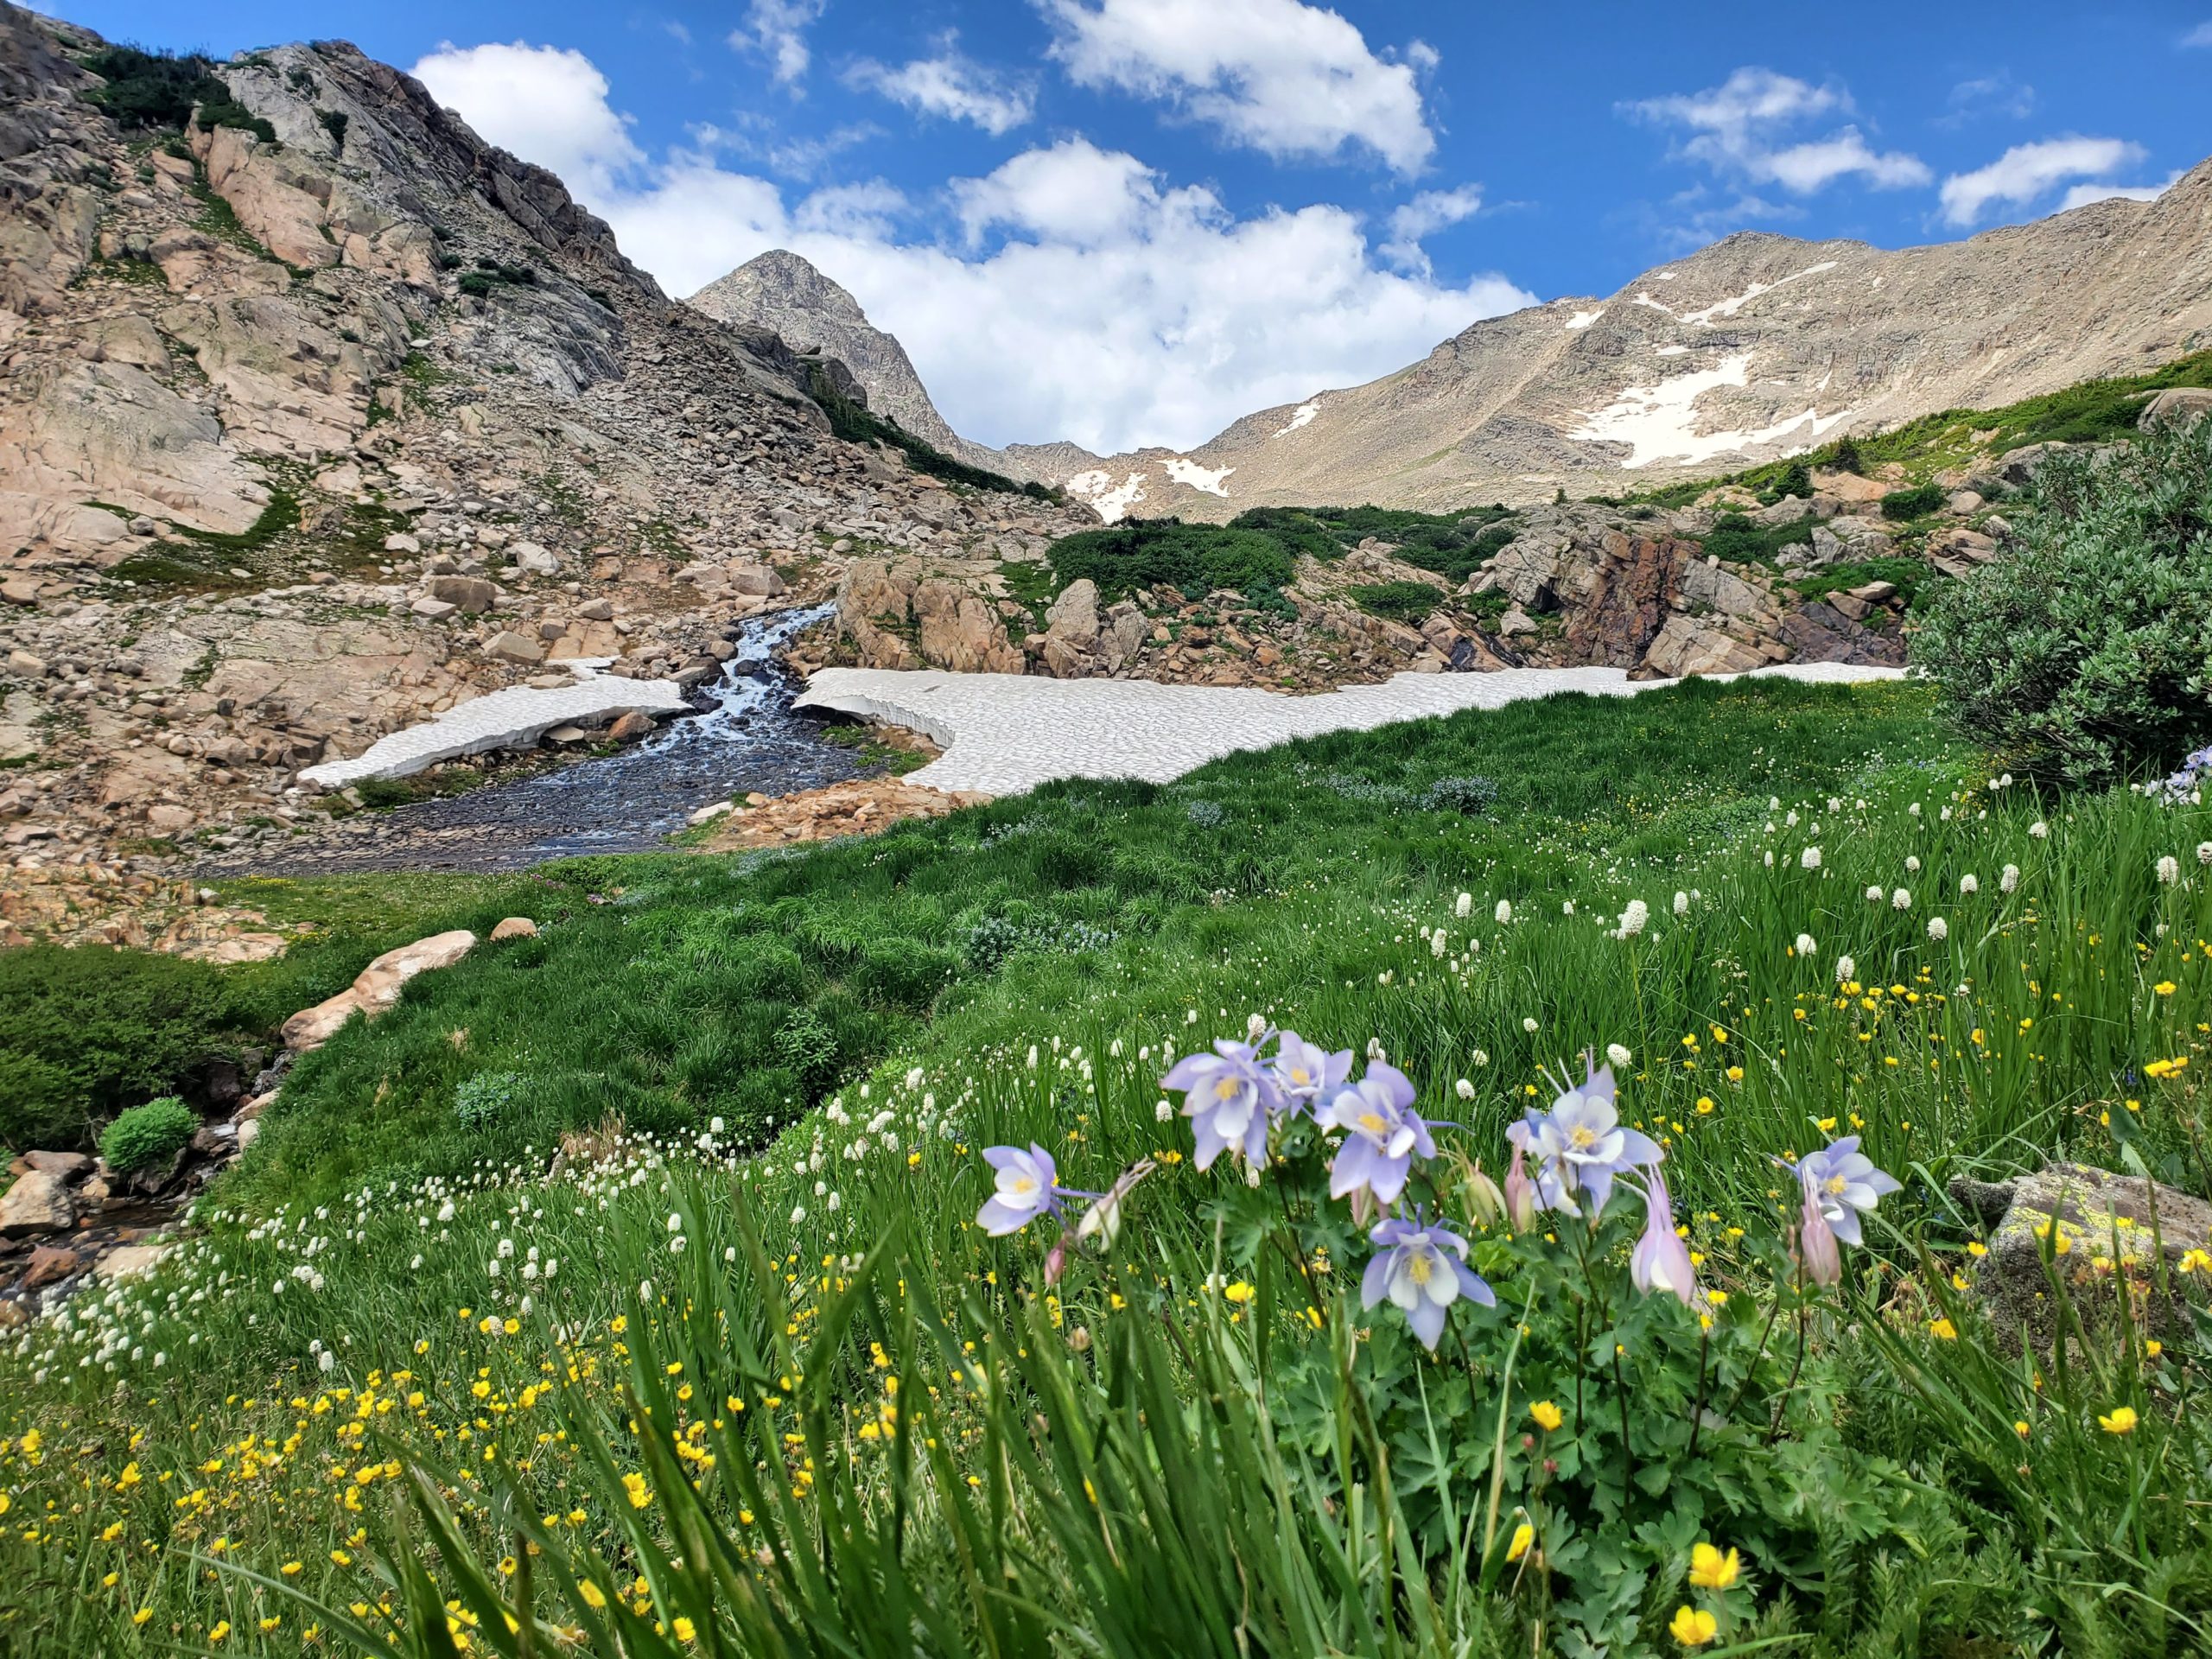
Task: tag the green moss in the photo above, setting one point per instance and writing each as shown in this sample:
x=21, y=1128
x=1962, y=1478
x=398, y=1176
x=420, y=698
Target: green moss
x=1409, y=603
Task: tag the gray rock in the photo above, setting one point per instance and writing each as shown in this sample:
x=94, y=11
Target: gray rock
x=38, y=1203
x=472, y=595
x=513, y=647
x=2176, y=404
x=538, y=560
x=2126, y=1222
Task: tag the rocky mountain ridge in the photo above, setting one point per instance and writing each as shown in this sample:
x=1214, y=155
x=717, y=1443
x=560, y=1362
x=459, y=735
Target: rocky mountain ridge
x=323, y=415
x=1757, y=346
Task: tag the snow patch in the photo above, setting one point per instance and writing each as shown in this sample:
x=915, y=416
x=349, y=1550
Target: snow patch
x=1645, y=299
x=1182, y=470
x=1673, y=350
x=1110, y=500
x=1302, y=415
x=1729, y=308
x=1660, y=423
x=1664, y=276
x=1583, y=319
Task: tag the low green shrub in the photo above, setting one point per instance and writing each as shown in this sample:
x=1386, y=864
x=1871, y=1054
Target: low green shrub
x=2084, y=648
x=1409, y=603
x=1197, y=559
x=86, y=1032
x=147, y=1136
x=1469, y=797
x=486, y=1099
x=1915, y=503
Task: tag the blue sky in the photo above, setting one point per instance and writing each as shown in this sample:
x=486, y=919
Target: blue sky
x=1129, y=221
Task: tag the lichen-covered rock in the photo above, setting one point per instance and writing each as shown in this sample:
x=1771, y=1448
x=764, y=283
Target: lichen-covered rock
x=2088, y=1235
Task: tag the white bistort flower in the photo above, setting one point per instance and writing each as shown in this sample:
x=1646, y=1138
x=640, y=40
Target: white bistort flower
x=1938, y=929
x=1846, y=970
x=1901, y=900
x=1504, y=911
x=1634, y=919
x=2169, y=870
x=1465, y=906
x=1805, y=944
x=2009, y=879
x=1968, y=885
x=1618, y=1054
x=2039, y=829
x=1810, y=859
x=1682, y=903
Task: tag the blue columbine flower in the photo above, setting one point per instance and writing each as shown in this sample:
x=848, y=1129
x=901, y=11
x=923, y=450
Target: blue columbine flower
x=1845, y=1183
x=1027, y=1188
x=1305, y=1072
x=1422, y=1270
x=1229, y=1100
x=1383, y=1135
x=1580, y=1145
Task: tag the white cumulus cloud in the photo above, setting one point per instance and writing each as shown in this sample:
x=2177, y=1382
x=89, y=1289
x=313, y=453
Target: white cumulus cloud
x=1079, y=294
x=546, y=104
x=2201, y=36
x=950, y=84
x=776, y=31
x=2026, y=173
x=2083, y=194
x=1747, y=129
x=1284, y=78
x=1413, y=222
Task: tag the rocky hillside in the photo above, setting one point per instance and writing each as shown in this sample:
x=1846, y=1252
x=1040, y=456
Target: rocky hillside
x=320, y=415
x=783, y=293
x=1757, y=346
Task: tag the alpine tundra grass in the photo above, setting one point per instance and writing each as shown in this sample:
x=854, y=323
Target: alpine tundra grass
x=744, y=1375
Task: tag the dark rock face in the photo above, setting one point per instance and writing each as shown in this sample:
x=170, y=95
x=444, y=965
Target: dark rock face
x=1628, y=599
x=1820, y=633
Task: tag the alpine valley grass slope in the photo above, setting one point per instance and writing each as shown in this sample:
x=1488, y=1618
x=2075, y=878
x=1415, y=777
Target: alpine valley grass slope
x=691, y=1396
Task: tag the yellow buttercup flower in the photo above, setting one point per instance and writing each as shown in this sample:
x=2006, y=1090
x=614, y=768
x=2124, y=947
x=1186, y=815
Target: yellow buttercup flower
x=1694, y=1627
x=1547, y=1415
x=1523, y=1535
x=1711, y=1570
x=2122, y=1420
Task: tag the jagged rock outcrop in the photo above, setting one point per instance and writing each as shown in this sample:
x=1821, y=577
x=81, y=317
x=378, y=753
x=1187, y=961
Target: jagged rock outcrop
x=307, y=439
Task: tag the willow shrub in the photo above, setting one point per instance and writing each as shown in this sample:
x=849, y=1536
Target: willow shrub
x=2082, y=649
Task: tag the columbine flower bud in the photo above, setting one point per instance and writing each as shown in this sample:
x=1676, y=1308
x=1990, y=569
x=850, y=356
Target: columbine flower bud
x=1520, y=1194
x=1486, y=1203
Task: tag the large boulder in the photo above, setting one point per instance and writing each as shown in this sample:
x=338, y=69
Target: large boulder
x=39, y=1202
x=2177, y=403
x=378, y=988
x=2111, y=1233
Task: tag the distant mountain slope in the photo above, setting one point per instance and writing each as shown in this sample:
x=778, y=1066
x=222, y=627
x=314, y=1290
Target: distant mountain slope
x=1756, y=347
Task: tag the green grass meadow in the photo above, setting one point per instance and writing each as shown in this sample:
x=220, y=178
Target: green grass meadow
x=745, y=1378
